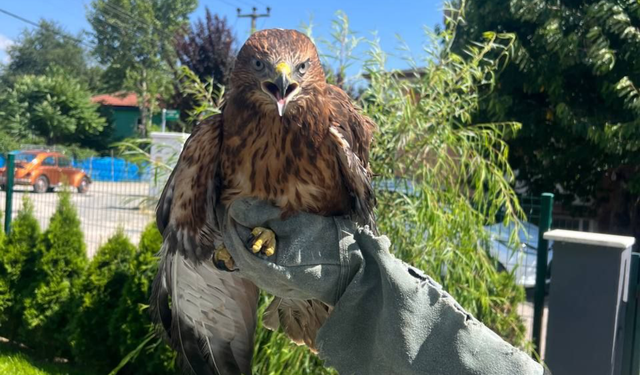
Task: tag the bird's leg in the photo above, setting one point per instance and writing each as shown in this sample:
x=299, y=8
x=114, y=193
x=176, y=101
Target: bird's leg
x=263, y=240
x=222, y=259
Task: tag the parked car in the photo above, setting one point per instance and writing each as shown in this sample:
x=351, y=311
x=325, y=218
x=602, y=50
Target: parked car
x=46, y=170
x=522, y=261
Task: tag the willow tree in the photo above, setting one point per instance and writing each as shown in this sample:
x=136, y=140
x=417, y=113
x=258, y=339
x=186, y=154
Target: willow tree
x=573, y=84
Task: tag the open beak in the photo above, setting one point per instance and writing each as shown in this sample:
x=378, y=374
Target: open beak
x=281, y=88
x=283, y=83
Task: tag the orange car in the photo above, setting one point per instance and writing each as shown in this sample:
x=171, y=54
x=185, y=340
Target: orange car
x=45, y=170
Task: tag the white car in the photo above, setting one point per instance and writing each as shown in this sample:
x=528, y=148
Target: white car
x=522, y=261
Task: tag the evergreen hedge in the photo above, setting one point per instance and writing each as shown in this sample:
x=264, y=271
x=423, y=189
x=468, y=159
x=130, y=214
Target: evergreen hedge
x=93, y=340
x=61, y=261
x=18, y=258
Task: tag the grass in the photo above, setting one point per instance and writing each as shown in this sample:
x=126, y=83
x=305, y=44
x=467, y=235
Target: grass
x=17, y=361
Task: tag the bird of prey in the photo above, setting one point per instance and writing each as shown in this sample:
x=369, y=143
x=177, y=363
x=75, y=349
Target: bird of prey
x=284, y=135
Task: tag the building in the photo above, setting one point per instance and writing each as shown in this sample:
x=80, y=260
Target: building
x=122, y=111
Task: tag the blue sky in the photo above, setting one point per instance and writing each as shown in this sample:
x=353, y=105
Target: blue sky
x=387, y=18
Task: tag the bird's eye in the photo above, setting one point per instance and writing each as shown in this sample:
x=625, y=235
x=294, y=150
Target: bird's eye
x=302, y=68
x=257, y=64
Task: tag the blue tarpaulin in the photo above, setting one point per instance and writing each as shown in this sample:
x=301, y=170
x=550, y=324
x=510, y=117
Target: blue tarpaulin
x=108, y=169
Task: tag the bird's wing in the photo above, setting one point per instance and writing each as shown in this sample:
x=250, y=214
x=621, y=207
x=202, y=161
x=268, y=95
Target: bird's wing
x=352, y=133
x=208, y=315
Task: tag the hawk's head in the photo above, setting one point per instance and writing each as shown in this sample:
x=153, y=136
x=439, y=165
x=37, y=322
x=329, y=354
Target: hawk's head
x=278, y=70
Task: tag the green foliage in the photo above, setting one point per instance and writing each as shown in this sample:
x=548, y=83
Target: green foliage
x=98, y=296
x=131, y=323
x=341, y=53
x=62, y=260
x=449, y=175
x=20, y=361
x=18, y=260
x=38, y=49
x=55, y=106
x=133, y=40
x=573, y=84
x=7, y=142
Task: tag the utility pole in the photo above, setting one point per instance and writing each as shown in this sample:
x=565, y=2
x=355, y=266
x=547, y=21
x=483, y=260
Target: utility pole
x=254, y=16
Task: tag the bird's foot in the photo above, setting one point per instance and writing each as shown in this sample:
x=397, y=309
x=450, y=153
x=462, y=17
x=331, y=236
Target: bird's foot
x=263, y=240
x=222, y=259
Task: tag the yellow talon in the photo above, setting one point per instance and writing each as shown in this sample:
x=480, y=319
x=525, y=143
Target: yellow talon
x=257, y=246
x=265, y=240
x=221, y=254
x=269, y=251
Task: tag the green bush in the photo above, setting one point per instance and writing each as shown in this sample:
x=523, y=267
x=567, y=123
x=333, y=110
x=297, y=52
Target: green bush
x=62, y=260
x=131, y=323
x=18, y=258
x=455, y=171
x=93, y=342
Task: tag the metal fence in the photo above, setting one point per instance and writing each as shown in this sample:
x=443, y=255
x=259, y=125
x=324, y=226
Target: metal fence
x=118, y=197
x=122, y=195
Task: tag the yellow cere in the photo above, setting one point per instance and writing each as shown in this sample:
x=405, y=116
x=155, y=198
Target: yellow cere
x=283, y=68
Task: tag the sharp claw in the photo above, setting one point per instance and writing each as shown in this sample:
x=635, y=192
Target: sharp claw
x=223, y=260
x=262, y=240
x=257, y=245
x=269, y=251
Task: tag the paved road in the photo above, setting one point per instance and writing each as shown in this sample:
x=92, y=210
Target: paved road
x=102, y=210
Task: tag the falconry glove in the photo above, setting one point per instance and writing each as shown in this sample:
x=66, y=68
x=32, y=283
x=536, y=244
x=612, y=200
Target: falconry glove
x=387, y=318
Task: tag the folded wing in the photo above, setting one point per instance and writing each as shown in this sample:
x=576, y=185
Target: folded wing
x=208, y=315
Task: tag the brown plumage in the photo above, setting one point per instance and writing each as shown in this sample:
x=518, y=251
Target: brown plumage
x=286, y=136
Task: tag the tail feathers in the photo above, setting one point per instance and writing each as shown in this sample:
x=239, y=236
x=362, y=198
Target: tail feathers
x=208, y=315
x=300, y=319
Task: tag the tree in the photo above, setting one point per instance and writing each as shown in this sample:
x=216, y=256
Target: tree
x=573, y=84
x=206, y=49
x=49, y=45
x=18, y=267
x=131, y=323
x=61, y=262
x=56, y=107
x=97, y=299
x=133, y=40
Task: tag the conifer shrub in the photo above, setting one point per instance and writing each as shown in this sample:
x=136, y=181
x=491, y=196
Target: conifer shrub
x=131, y=323
x=99, y=291
x=61, y=261
x=18, y=258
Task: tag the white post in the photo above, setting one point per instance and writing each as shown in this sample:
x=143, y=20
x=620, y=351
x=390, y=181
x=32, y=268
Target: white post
x=164, y=118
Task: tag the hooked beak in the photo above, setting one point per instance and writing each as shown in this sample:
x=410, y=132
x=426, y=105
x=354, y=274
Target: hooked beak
x=281, y=89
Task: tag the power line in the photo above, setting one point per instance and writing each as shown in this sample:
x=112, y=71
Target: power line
x=79, y=41
x=228, y=3
x=245, y=3
x=19, y=18
x=261, y=3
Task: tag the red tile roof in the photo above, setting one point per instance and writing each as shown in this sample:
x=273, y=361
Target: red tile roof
x=117, y=100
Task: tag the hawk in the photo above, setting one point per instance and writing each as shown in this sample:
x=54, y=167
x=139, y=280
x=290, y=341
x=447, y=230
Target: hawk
x=284, y=135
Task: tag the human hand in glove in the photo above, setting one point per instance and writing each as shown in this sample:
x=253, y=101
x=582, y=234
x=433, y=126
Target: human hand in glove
x=388, y=317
